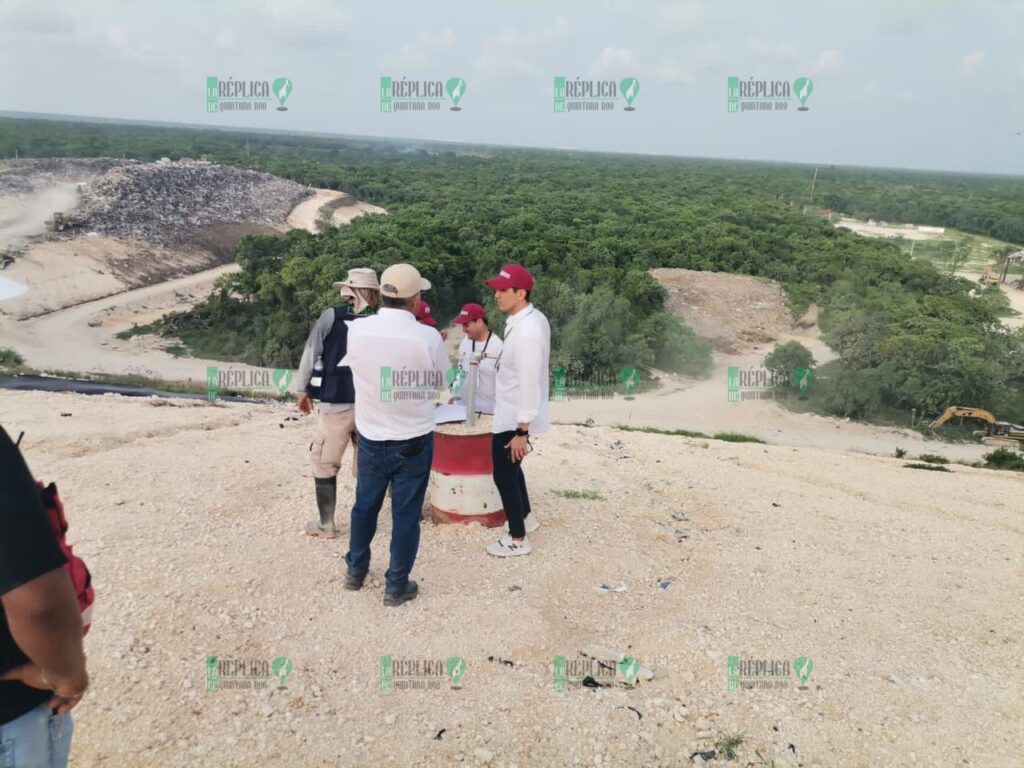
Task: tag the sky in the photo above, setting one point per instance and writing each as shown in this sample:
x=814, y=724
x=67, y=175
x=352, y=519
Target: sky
x=895, y=83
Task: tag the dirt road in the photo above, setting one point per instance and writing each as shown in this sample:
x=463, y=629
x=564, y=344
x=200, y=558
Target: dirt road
x=901, y=586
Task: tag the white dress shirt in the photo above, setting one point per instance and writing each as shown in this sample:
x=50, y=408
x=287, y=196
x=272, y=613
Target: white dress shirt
x=521, y=383
x=489, y=349
x=393, y=339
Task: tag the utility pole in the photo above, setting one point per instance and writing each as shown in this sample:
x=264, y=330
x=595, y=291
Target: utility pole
x=810, y=199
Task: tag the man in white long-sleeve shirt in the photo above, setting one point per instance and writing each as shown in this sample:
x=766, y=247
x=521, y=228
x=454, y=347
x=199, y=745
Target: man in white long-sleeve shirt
x=520, y=402
x=398, y=366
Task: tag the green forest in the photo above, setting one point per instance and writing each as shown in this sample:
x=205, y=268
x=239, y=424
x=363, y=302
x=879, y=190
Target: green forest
x=590, y=226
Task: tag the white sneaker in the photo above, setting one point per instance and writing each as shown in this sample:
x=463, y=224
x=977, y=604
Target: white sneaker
x=506, y=546
x=530, y=522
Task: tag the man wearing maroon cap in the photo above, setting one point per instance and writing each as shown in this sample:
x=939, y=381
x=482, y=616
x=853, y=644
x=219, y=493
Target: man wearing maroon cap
x=425, y=316
x=481, y=345
x=520, y=402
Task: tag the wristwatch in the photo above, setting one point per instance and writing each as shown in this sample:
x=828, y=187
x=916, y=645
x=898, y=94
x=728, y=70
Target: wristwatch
x=522, y=432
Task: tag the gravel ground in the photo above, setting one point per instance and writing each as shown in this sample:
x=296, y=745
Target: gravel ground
x=902, y=586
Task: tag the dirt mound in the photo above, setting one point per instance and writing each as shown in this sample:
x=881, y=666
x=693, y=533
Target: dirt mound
x=171, y=203
x=736, y=313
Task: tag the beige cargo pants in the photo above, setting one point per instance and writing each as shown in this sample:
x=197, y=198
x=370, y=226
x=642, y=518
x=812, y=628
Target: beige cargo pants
x=332, y=433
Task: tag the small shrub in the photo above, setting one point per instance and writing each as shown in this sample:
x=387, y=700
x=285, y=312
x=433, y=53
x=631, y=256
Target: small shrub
x=9, y=358
x=1004, y=458
x=899, y=453
x=933, y=458
x=933, y=467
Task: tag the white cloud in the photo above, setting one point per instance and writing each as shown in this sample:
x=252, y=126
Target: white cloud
x=707, y=56
x=613, y=63
x=517, y=52
x=906, y=95
x=972, y=62
x=669, y=70
x=681, y=18
x=828, y=59
x=35, y=17
x=776, y=53
x=424, y=46
x=301, y=22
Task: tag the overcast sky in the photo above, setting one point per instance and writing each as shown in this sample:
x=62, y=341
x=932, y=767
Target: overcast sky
x=899, y=83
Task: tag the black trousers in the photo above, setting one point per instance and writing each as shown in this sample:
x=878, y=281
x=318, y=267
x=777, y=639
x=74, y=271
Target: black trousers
x=511, y=484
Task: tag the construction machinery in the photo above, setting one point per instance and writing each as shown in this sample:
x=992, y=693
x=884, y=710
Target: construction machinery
x=995, y=433
x=988, y=277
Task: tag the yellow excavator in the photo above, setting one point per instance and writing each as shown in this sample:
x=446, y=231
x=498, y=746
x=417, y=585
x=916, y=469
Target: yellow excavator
x=995, y=433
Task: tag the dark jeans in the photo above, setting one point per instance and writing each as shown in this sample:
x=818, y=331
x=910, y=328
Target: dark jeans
x=511, y=483
x=405, y=465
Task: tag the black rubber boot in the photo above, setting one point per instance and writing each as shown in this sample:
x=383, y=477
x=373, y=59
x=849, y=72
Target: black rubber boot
x=326, y=498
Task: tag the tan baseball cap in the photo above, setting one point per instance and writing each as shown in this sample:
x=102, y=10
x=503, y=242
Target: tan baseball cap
x=400, y=281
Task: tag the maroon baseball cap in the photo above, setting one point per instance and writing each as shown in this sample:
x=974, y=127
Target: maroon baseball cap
x=469, y=313
x=512, y=276
x=424, y=315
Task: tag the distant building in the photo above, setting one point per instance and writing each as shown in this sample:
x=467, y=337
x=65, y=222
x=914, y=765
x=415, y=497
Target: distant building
x=931, y=230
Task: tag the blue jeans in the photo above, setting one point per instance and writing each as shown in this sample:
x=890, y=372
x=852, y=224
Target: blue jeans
x=405, y=465
x=37, y=739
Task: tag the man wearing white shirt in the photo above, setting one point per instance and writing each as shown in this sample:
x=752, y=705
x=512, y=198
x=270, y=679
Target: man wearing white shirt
x=520, y=402
x=482, y=345
x=398, y=365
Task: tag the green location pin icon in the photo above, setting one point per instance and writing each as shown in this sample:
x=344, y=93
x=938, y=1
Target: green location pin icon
x=282, y=378
x=282, y=88
x=629, y=377
x=630, y=668
x=282, y=667
x=803, y=86
x=456, y=88
x=456, y=667
x=802, y=378
x=629, y=87
x=803, y=667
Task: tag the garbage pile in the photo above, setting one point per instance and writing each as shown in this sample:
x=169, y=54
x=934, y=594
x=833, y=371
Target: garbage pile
x=170, y=203
x=19, y=177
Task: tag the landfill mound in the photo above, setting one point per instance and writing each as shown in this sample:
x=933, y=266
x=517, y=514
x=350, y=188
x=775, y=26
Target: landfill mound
x=176, y=203
x=736, y=313
x=18, y=177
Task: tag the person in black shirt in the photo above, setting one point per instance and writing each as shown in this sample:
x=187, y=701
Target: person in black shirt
x=42, y=666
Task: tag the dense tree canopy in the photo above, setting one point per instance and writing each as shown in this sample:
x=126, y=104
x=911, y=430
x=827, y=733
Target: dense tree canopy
x=590, y=226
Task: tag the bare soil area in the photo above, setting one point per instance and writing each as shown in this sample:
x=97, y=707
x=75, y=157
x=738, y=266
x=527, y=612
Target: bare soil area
x=901, y=586
x=736, y=313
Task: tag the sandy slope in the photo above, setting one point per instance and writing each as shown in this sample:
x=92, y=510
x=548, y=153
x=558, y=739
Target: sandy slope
x=902, y=586
x=306, y=213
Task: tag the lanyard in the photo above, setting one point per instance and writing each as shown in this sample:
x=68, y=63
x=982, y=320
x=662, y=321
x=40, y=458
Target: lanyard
x=483, y=352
